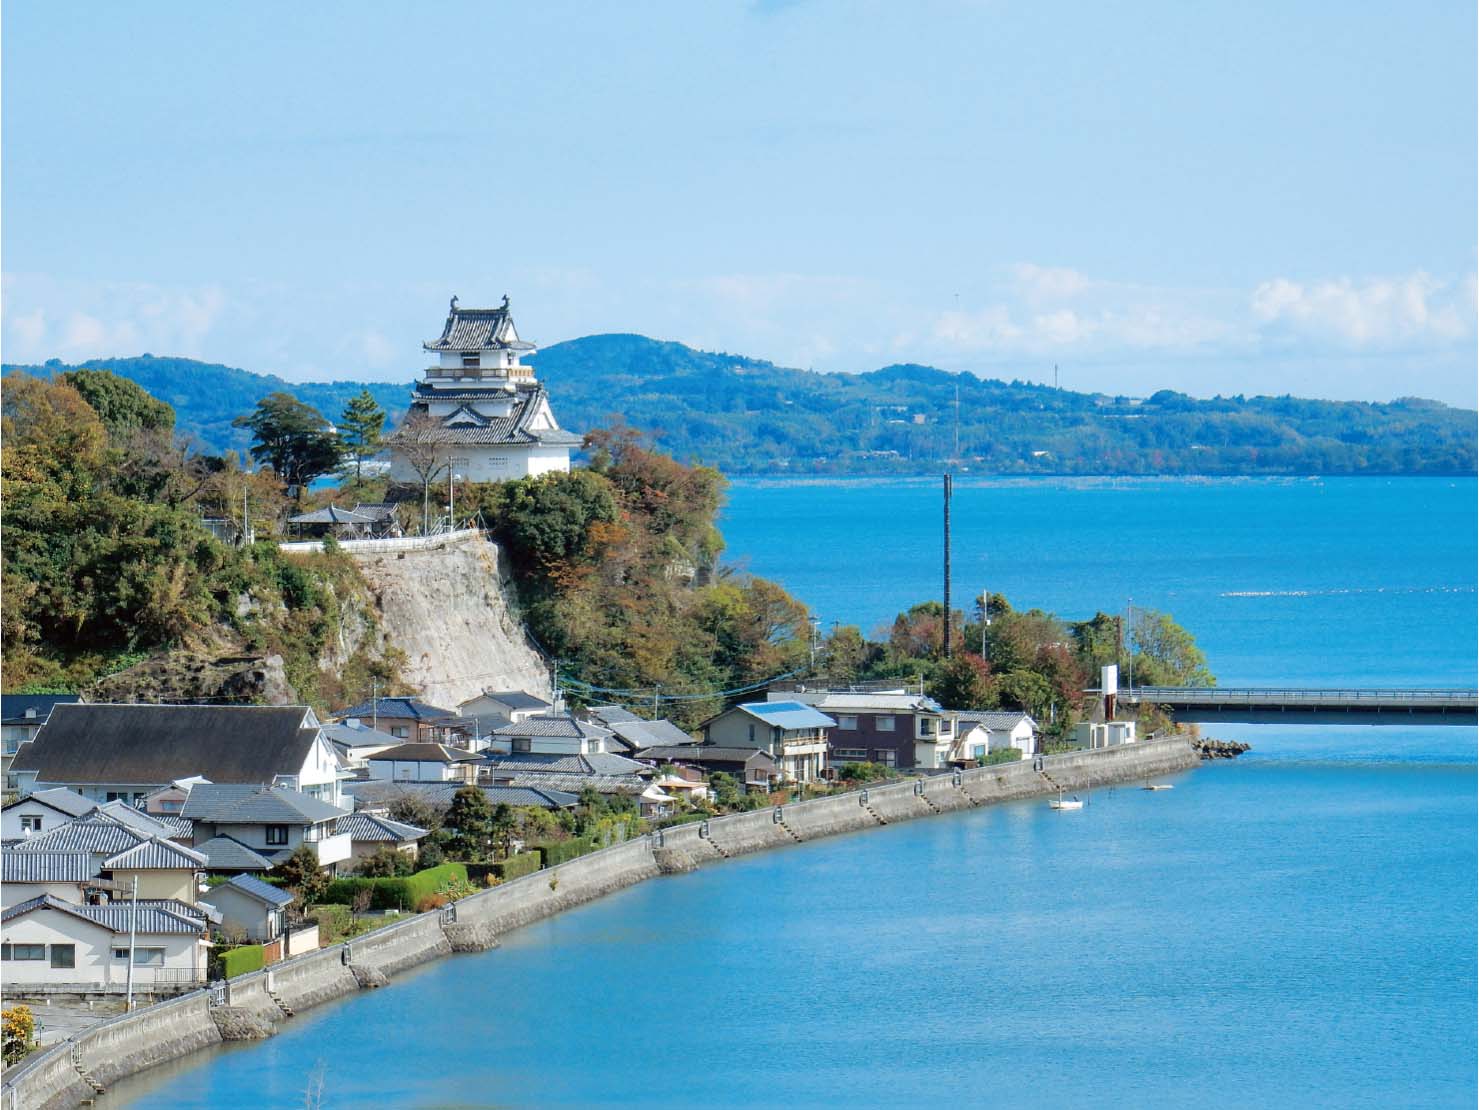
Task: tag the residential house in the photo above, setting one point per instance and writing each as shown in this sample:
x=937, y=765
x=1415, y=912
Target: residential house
x=407, y=719
x=896, y=729
x=752, y=768
x=376, y=796
x=127, y=752
x=425, y=763
x=600, y=771
x=122, y=847
x=160, y=868
x=979, y=732
x=631, y=733
x=70, y=876
x=169, y=800
x=369, y=833
x=494, y=708
x=49, y=945
x=21, y=718
x=794, y=734
x=251, y=908
x=225, y=855
x=1104, y=734
x=550, y=734
x=356, y=741
x=267, y=820
x=41, y=812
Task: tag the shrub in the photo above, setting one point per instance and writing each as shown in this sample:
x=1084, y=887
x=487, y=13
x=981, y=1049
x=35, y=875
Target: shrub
x=431, y=902
x=239, y=961
x=1001, y=755
x=516, y=867
x=335, y=922
x=397, y=894
x=556, y=852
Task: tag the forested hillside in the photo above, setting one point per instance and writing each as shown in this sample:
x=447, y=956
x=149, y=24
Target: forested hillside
x=745, y=416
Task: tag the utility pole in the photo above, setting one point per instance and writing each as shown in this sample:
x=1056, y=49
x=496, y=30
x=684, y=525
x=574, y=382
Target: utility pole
x=815, y=624
x=949, y=489
x=1130, y=641
x=375, y=703
x=656, y=697
x=133, y=922
x=985, y=618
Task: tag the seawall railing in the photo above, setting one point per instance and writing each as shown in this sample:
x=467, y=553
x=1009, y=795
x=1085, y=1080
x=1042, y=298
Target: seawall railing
x=399, y=543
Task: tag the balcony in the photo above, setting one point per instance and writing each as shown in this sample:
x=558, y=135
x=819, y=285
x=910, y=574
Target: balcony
x=332, y=849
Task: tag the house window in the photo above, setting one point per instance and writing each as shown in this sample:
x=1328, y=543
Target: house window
x=848, y=723
x=116, y=796
x=850, y=755
x=979, y=751
x=400, y=730
x=143, y=957
x=63, y=955
x=752, y=732
x=31, y=823
x=883, y=724
x=25, y=952
x=277, y=834
x=521, y=744
x=926, y=726
x=885, y=756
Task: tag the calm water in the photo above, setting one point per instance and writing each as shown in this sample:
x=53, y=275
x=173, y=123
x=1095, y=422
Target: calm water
x=1296, y=928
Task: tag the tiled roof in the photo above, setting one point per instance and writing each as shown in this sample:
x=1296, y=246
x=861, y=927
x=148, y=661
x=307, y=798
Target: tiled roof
x=156, y=744
x=382, y=792
x=226, y=853
x=574, y=784
x=704, y=753
x=359, y=735
x=513, y=429
x=597, y=763
x=424, y=753
x=606, y=714
x=514, y=699
x=264, y=892
x=787, y=714
x=377, y=830
x=97, y=835
x=155, y=855
x=399, y=708
x=638, y=734
x=332, y=514
x=153, y=917
x=183, y=828
x=844, y=702
x=994, y=718
x=233, y=804
x=476, y=329
x=61, y=799
x=553, y=725
x=15, y=707
x=136, y=820
x=47, y=867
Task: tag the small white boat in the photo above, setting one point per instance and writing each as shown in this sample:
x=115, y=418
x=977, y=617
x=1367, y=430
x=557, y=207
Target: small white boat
x=1158, y=786
x=1061, y=802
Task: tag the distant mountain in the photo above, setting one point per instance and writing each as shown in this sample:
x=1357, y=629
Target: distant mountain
x=747, y=416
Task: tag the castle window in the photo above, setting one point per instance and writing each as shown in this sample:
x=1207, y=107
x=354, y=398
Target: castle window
x=470, y=362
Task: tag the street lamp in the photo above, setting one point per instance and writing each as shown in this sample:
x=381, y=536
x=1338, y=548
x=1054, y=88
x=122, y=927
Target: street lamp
x=452, y=464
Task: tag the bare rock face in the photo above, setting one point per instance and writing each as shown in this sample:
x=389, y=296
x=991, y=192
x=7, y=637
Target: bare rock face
x=183, y=676
x=368, y=977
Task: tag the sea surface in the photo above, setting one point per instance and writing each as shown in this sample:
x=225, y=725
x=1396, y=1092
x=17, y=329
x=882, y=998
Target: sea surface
x=1296, y=928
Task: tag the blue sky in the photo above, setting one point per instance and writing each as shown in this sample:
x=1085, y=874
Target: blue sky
x=1240, y=197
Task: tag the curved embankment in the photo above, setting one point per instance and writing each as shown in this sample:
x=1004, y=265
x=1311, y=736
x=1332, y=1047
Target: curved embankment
x=253, y=1005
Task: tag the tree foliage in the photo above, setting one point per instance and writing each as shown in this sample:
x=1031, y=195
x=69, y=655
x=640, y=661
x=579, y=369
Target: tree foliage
x=360, y=428
x=293, y=438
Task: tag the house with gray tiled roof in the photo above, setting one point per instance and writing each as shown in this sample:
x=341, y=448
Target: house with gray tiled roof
x=376, y=797
x=254, y=909
x=425, y=763
x=370, y=833
x=601, y=771
x=50, y=944
x=631, y=733
x=550, y=734
x=270, y=821
x=42, y=811
x=979, y=732
x=493, y=708
x=404, y=718
x=479, y=408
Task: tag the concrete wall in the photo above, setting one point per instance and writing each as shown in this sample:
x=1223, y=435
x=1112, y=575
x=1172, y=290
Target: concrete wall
x=137, y=1041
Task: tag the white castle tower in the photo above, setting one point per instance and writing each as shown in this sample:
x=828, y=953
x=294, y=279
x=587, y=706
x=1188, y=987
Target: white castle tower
x=480, y=409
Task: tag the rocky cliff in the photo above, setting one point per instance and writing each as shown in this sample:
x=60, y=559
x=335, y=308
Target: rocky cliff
x=449, y=610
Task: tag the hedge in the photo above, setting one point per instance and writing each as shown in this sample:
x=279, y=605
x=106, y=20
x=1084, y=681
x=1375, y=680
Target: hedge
x=517, y=866
x=396, y=894
x=238, y=961
x=555, y=852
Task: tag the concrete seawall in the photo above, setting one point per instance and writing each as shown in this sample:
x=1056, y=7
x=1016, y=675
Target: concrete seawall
x=72, y=1071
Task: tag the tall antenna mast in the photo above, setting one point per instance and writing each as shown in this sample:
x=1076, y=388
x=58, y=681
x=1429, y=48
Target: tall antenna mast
x=949, y=489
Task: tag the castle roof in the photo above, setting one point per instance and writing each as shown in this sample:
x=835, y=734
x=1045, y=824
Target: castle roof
x=455, y=428
x=478, y=329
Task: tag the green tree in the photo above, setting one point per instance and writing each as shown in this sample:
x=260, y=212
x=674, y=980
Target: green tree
x=1165, y=654
x=293, y=438
x=845, y=654
x=302, y=874
x=386, y=862
x=123, y=406
x=1028, y=691
x=470, y=816
x=963, y=682
x=360, y=427
x=551, y=525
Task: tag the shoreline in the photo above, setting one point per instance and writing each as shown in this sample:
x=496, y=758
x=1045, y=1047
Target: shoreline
x=252, y=1006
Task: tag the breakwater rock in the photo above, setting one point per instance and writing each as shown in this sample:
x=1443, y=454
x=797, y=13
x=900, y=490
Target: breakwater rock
x=1220, y=749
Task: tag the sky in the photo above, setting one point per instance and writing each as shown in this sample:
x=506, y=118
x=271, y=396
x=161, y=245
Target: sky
x=1250, y=197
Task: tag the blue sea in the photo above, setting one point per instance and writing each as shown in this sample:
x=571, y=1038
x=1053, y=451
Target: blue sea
x=1296, y=928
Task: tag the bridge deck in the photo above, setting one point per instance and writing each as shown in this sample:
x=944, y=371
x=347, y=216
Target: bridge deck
x=1310, y=705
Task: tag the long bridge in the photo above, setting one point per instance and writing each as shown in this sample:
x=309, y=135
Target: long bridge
x=1259, y=705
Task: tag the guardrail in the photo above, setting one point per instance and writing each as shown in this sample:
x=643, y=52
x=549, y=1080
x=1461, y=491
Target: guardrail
x=1241, y=695
x=400, y=543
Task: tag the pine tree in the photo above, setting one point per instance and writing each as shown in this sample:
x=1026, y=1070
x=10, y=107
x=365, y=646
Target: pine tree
x=360, y=427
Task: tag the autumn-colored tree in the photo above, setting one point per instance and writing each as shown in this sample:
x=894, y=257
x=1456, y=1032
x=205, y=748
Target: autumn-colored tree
x=19, y=1032
x=963, y=682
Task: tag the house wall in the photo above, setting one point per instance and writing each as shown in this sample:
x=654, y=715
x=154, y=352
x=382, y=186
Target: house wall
x=415, y=770
x=496, y=463
x=13, y=894
x=10, y=819
x=95, y=965
x=874, y=740
x=161, y=883
x=241, y=911
x=737, y=729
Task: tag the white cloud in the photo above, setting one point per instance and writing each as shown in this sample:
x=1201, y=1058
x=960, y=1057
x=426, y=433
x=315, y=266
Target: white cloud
x=105, y=319
x=1042, y=284
x=1376, y=312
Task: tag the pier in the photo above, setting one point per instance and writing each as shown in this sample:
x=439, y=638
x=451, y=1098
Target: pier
x=1308, y=706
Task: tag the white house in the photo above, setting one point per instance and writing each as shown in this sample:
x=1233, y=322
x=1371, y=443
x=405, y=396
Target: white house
x=41, y=812
x=369, y=833
x=1104, y=734
x=269, y=821
x=128, y=752
x=494, y=708
x=47, y=944
x=551, y=734
x=983, y=731
x=425, y=763
x=479, y=411
x=251, y=907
